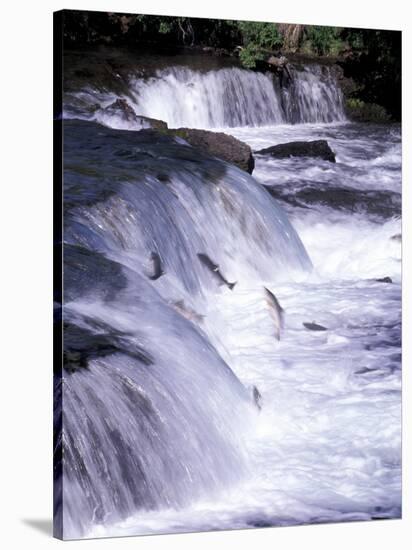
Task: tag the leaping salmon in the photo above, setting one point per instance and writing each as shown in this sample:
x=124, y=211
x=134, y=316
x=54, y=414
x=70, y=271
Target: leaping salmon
x=276, y=311
x=157, y=266
x=214, y=268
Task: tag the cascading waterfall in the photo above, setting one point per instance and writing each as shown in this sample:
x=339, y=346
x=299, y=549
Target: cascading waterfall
x=160, y=430
x=237, y=97
x=139, y=429
x=313, y=96
x=153, y=416
x=227, y=97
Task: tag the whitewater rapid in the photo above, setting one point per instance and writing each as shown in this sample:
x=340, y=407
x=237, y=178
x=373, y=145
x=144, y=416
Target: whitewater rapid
x=325, y=446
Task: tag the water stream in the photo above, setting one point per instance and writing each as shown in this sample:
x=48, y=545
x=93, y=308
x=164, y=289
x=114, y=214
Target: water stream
x=160, y=431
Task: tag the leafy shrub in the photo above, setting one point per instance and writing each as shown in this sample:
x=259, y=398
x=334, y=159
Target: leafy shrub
x=255, y=37
x=361, y=111
x=249, y=55
x=324, y=40
x=263, y=35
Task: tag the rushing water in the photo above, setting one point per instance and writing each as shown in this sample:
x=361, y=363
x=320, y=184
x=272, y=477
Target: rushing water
x=227, y=97
x=161, y=433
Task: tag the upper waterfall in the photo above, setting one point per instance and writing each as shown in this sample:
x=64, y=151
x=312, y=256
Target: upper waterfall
x=237, y=97
x=225, y=97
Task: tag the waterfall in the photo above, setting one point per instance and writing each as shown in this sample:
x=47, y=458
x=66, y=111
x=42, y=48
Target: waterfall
x=313, y=96
x=238, y=97
x=153, y=415
x=227, y=97
x=218, y=98
x=155, y=419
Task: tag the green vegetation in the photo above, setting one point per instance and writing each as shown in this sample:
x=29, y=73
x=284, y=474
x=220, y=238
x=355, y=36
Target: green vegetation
x=264, y=34
x=255, y=38
x=250, y=55
x=323, y=40
x=365, y=112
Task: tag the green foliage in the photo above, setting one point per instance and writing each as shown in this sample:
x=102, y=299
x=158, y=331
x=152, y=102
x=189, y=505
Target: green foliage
x=249, y=55
x=165, y=27
x=366, y=112
x=263, y=35
x=255, y=37
x=354, y=38
x=324, y=40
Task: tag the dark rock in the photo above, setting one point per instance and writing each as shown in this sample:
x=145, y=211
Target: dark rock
x=121, y=108
x=384, y=280
x=83, y=73
x=278, y=61
x=86, y=271
x=219, y=145
x=314, y=326
x=222, y=52
x=82, y=345
x=376, y=204
x=153, y=122
x=319, y=149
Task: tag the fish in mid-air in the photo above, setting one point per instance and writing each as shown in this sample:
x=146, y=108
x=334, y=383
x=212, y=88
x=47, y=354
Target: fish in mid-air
x=276, y=311
x=214, y=268
x=187, y=312
x=157, y=266
x=257, y=398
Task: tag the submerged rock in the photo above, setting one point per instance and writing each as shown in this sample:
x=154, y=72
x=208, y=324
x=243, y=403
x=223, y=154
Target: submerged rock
x=384, y=280
x=81, y=345
x=376, y=204
x=319, y=149
x=219, y=145
x=314, y=326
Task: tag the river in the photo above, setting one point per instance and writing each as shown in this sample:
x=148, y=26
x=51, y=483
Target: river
x=160, y=432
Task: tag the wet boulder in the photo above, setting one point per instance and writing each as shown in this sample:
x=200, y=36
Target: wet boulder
x=278, y=61
x=220, y=145
x=152, y=122
x=318, y=149
x=122, y=109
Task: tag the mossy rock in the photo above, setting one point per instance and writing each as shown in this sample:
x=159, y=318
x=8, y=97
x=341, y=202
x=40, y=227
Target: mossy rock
x=360, y=111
